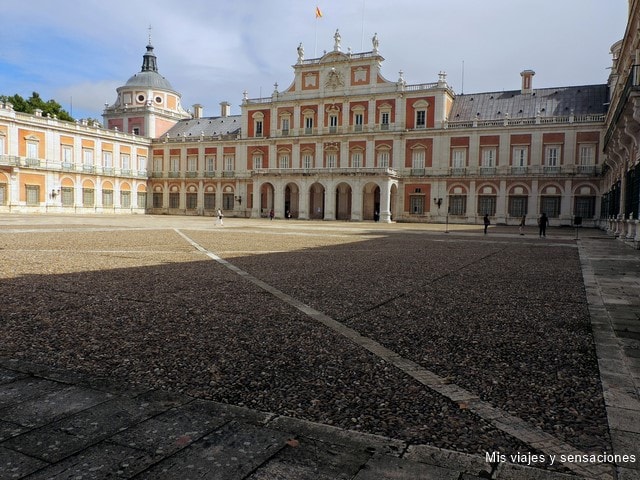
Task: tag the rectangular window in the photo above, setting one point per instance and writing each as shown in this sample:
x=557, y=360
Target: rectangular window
x=417, y=204
x=67, y=196
x=107, y=160
x=421, y=119
x=585, y=207
x=209, y=201
x=383, y=159
x=228, y=163
x=32, y=149
x=458, y=161
x=192, y=201
x=142, y=199
x=3, y=193
x=307, y=161
x=487, y=205
x=417, y=159
x=552, y=159
x=210, y=164
x=332, y=159
x=87, y=157
x=457, y=204
x=285, y=126
x=257, y=162
x=125, y=161
x=192, y=164
x=258, y=128
x=88, y=197
x=142, y=163
x=518, y=206
x=174, y=200
x=520, y=156
x=125, y=199
x=107, y=198
x=384, y=120
x=157, y=164
x=358, y=120
x=308, y=125
x=550, y=206
x=33, y=194
x=174, y=164
x=586, y=159
x=157, y=200
x=284, y=161
x=67, y=157
x=356, y=159
x=333, y=123
x=489, y=157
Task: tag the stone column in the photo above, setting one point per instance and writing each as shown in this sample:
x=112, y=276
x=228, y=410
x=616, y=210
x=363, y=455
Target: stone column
x=385, y=201
x=330, y=201
x=303, y=201
x=356, y=201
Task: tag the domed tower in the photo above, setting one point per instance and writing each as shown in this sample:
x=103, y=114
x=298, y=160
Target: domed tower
x=147, y=104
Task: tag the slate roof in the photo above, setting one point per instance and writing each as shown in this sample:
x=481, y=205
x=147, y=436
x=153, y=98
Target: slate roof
x=207, y=126
x=550, y=102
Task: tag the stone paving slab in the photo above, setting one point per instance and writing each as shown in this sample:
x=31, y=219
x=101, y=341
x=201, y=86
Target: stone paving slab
x=17, y=465
x=229, y=453
x=41, y=410
x=72, y=434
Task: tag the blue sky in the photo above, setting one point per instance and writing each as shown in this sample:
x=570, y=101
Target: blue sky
x=79, y=52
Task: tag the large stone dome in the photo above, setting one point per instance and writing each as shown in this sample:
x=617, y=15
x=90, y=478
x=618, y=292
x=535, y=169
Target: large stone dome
x=149, y=79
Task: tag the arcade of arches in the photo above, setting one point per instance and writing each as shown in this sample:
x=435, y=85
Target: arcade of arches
x=326, y=200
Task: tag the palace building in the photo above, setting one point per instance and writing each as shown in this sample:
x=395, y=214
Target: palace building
x=342, y=142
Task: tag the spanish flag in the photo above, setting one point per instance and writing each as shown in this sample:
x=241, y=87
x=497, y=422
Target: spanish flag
x=318, y=13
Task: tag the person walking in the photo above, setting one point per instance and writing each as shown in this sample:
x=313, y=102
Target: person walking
x=271, y=214
x=523, y=222
x=543, y=222
x=487, y=222
x=219, y=215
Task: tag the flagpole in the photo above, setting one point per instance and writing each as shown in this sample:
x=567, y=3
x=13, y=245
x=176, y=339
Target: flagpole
x=315, y=45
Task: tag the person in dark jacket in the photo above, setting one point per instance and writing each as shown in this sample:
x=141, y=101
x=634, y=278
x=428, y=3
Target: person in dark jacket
x=543, y=222
x=487, y=222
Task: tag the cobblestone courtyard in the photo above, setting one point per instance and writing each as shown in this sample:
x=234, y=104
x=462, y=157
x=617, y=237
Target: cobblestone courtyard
x=396, y=330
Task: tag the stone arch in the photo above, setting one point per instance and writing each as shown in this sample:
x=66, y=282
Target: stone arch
x=344, y=196
x=371, y=201
x=267, y=198
x=291, y=200
x=316, y=201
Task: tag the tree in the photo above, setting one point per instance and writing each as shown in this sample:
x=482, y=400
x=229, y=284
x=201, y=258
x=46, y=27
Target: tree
x=35, y=102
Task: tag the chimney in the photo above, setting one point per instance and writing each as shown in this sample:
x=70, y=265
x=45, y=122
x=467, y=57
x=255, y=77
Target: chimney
x=197, y=111
x=225, y=109
x=527, y=81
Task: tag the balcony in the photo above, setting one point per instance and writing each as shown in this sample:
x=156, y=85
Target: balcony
x=518, y=170
x=191, y=174
x=487, y=171
x=324, y=171
x=551, y=170
x=417, y=172
x=173, y=174
x=209, y=174
x=458, y=171
x=228, y=174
